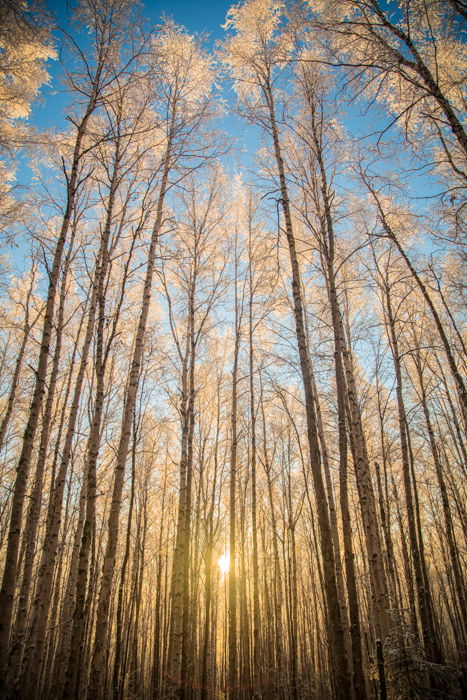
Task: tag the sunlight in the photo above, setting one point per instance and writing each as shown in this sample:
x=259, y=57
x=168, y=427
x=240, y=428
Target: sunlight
x=231, y=315
x=224, y=563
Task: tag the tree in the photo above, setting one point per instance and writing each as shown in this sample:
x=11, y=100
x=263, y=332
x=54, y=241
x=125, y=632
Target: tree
x=106, y=33
x=254, y=55
x=244, y=471
x=405, y=57
x=184, y=107
x=26, y=45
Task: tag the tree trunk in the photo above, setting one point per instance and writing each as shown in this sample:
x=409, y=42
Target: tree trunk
x=335, y=631
x=97, y=664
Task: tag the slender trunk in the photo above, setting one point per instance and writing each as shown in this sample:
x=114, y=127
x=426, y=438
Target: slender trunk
x=32, y=520
x=207, y=685
x=74, y=660
x=22, y=470
x=345, y=382
x=180, y=593
x=188, y=638
x=97, y=663
x=158, y=646
x=359, y=686
x=42, y=599
x=448, y=523
x=27, y=326
x=67, y=607
x=406, y=563
x=335, y=630
x=233, y=693
x=427, y=626
x=118, y=683
x=257, y=659
x=457, y=376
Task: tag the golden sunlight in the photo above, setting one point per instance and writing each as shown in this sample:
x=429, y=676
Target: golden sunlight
x=231, y=317
x=223, y=563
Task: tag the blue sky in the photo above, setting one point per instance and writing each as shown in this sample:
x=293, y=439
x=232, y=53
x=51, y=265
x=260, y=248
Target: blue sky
x=202, y=16
x=205, y=16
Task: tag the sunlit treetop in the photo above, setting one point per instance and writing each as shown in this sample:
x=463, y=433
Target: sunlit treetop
x=181, y=64
x=105, y=17
x=257, y=22
x=25, y=46
x=258, y=44
x=408, y=56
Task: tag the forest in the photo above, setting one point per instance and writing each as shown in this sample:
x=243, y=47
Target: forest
x=233, y=401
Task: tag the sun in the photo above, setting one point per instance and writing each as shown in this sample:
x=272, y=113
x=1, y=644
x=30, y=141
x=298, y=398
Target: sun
x=223, y=563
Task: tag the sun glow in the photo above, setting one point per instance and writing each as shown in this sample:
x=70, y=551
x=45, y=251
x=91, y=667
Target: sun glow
x=223, y=563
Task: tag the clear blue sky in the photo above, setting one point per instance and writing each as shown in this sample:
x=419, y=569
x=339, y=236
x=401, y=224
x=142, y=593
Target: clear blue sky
x=205, y=16
x=202, y=16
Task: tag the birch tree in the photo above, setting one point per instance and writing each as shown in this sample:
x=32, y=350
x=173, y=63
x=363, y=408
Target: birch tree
x=256, y=54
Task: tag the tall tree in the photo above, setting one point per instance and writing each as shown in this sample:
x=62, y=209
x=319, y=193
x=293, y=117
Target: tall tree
x=106, y=20
x=255, y=54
